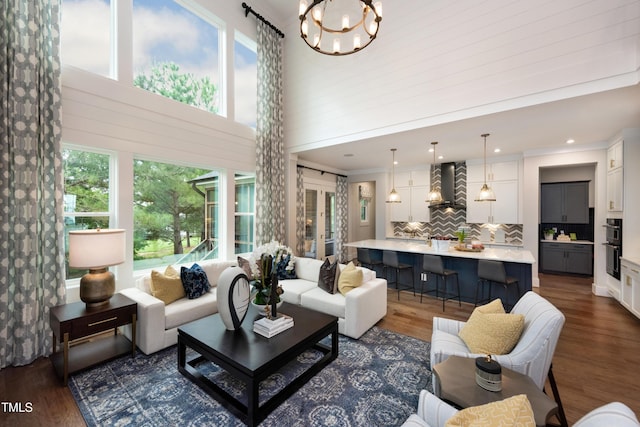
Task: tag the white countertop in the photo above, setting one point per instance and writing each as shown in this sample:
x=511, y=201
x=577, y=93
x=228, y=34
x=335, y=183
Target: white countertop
x=424, y=239
x=575, y=242
x=633, y=260
x=499, y=254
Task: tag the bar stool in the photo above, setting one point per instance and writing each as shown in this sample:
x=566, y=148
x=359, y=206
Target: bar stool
x=390, y=260
x=364, y=258
x=432, y=264
x=493, y=272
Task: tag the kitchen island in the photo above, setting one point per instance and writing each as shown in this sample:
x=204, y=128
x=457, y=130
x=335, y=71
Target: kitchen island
x=517, y=263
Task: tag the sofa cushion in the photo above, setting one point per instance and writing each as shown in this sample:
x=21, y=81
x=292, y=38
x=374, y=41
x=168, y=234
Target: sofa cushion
x=327, y=280
x=167, y=286
x=213, y=270
x=187, y=310
x=245, y=265
x=308, y=269
x=490, y=330
x=293, y=288
x=319, y=300
x=285, y=271
x=513, y=411
x=194, y=281
x=350, y=278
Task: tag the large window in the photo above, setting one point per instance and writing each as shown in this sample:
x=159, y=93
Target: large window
x=176, y=54
x=87, y=194
x=169, y=215
x=244, y=213
x=86, y=35
x=246, y=80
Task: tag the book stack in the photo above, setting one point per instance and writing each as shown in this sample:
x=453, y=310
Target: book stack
x=270, y=327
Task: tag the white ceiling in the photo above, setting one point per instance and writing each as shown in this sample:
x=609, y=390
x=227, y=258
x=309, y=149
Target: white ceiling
x=589, y=120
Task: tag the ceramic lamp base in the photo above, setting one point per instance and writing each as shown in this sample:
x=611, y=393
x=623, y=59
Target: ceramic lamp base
x=97, y=287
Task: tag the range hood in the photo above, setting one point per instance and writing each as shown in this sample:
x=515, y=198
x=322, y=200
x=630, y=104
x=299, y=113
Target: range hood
x=448, y=188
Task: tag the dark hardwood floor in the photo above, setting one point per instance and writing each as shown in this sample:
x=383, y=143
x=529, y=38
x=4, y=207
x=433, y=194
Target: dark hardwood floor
x=596, y=360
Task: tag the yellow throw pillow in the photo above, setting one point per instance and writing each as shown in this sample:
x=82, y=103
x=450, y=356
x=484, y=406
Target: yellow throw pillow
x=167, y=287
x=350, y=278
x=490, y=330
x=511, y=412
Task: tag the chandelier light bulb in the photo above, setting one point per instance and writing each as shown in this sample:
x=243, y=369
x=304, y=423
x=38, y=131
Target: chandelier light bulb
x=305, y=28
x=378, y=6
x=302, y=8
x=356, y=42
x=345, y=22
x=336, y=45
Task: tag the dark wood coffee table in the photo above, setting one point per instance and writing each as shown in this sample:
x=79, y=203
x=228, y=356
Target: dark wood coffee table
x=457, y=385
x=252, y=358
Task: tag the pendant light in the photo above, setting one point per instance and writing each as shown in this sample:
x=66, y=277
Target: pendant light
x=393, y=197
x=486, y=193
x=434, y=196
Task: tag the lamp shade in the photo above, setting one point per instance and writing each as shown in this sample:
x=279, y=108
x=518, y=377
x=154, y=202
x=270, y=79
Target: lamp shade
x=94, y=249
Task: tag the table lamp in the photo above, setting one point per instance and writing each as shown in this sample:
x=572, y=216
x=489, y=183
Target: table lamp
x=96, y=250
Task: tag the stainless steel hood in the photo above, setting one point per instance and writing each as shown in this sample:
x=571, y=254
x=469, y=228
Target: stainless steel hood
x=448, y=188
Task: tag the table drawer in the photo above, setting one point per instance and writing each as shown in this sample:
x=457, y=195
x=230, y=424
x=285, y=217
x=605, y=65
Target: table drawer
x=99, y=322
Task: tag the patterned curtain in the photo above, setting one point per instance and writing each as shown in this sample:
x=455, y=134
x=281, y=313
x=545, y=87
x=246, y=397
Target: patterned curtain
x=342, y=218
x=31, y=200
x=270, y=174
x=300, y=219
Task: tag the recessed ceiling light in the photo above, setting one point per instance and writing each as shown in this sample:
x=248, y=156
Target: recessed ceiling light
x=440, y=157
x=570, y=141
x=349, y=155
x=496, y=150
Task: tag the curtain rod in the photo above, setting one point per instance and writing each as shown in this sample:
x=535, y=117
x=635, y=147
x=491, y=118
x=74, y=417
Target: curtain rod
x=260, y=17
x=321, y=171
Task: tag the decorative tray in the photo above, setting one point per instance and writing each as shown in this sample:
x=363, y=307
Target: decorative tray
x=465, y=249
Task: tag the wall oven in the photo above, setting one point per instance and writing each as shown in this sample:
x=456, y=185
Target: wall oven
x=614, y=246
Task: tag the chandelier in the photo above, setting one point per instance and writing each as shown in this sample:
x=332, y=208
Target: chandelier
x=486, y=193
x=339, y=27
x=434, y=197
x=393, y=196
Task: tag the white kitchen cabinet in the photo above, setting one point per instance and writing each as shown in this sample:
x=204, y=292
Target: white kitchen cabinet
x=503, y=211
x=630, y=286
x=615, y=190
x=499, y=171
x=502, y=177
x=614, y=156
x=412, y=188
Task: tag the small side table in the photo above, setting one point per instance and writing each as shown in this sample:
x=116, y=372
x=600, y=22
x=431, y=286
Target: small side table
x=74, y=322
x=457, y=385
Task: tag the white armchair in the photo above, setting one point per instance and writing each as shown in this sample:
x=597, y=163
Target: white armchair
x=532, y=354
x=431, y=412
x=612, y=414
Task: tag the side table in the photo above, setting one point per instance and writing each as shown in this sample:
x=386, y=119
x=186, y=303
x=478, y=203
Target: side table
x=457, y=384
x=74, y=322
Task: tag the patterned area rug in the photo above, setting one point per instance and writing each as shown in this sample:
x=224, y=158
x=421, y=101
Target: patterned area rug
x=375, y=381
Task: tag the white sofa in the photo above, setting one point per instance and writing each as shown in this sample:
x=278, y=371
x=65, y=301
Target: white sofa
x=157, y=325
x=357, y=311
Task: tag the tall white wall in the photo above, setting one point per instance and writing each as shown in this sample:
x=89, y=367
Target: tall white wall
x=438, y=61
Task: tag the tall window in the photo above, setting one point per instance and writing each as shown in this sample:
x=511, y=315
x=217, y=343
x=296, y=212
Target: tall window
x=176, y=54
x=244, y=213
x=86, y=195
x=86, y=35
x=169, y=215
x=246, y=80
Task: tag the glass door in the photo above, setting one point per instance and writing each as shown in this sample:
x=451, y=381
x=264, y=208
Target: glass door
x=320, y=220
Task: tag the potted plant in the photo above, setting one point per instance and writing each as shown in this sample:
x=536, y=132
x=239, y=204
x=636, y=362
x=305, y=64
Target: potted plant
x=461, y=235
x=548, y=234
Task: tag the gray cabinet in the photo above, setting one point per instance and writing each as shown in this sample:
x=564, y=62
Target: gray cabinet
x=566, y=258
x=565, y=202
